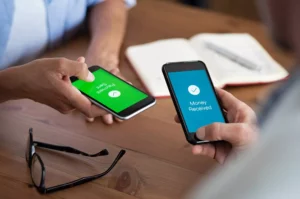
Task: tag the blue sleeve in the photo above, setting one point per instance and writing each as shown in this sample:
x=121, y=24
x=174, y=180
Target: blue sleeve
x=93, y=2
x=129, y=3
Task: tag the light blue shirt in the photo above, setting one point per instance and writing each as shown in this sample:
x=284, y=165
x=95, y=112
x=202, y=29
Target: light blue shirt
x=63, y=19
x=22, y=46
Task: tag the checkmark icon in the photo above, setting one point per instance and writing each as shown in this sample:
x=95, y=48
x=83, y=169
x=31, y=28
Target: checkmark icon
x=114, y=94
x=194, y=90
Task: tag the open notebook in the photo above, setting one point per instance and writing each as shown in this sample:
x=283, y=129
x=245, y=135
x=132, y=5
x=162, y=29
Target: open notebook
x=147, y=60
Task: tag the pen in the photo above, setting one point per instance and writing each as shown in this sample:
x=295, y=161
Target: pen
x=240, y=60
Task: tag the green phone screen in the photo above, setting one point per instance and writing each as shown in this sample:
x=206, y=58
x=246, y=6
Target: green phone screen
x=110, y=91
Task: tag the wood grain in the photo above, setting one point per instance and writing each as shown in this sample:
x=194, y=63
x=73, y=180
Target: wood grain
x=158, y=163
x=238, y=8
x=136, y=175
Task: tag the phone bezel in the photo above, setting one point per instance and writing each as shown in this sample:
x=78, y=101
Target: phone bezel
x=187, y=66
x=128, y=112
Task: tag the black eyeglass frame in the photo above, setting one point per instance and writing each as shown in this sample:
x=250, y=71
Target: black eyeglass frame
x=41, y=187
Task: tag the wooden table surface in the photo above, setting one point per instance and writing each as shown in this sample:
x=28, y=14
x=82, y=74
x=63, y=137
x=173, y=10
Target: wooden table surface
x=158, y=162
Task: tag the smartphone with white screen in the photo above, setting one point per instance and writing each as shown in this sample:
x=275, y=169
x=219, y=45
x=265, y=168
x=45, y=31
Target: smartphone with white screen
x=194, y=97
x=114, y=94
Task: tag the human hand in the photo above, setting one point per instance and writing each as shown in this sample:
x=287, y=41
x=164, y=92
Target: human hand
x=47, y=81
x=240, y=132
x=104, y=53
x=108, y=60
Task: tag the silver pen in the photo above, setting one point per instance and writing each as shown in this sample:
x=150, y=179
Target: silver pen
x=235, y=58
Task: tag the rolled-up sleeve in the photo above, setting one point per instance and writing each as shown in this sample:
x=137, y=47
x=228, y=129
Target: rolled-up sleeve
x=94, y=2
x=129, y=3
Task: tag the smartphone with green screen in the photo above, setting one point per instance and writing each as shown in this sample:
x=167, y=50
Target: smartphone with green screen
x=114, y=94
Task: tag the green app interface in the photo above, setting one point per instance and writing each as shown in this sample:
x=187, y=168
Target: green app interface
x=110, y=91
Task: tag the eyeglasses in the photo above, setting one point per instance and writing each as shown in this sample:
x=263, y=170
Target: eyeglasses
x=38, y=171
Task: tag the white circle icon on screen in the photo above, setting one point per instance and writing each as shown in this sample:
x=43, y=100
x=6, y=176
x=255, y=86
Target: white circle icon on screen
x=114, y=94
x=194, y=90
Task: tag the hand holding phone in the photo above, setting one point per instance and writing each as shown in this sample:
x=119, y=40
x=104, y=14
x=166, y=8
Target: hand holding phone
x=239, y=133
x=194, y=97
x=113, y=94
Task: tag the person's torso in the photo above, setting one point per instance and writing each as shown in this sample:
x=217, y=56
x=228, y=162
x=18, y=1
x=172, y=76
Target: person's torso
x=270, y=169
x=28, y=34
x=28, y=28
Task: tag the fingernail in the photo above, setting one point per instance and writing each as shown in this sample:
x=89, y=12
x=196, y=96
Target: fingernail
x=201, y=133
x=81, y=59
x=90, y=119
x=90, y=77
x=110, y=119
x=197, y=150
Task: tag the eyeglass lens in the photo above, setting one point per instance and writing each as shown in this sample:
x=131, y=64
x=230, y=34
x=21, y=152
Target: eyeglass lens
x=36, y=170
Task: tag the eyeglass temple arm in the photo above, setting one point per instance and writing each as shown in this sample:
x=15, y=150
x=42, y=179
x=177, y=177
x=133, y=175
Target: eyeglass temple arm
x=68, y=149
x=85, y=179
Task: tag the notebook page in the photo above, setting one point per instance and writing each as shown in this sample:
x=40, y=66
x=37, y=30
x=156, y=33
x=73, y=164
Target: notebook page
x=148, y=59
x=221, y=67
x=212, y=62
x=243, y=45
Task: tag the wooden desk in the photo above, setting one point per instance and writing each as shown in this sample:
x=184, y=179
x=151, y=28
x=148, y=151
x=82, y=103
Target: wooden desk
x=158, y=163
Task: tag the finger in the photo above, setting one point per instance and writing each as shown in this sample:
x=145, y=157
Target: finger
x=116, y=71
x=237, y=134
x=81, y=59
x=222, y=151
x=63, y=108
x=77, y=100
x=176, y=118
x=83, y=104
x=238, y=110
x=90, y=119
x=204, y=149
x=108, y=119
x=228, y=100
x=96, y=111
x=118, y=120
x=78, y=69
x=76, y=89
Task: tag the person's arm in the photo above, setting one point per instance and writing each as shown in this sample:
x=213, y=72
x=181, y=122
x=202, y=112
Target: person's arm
x=107, y=23
x=47, y=81
x=10, y=86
